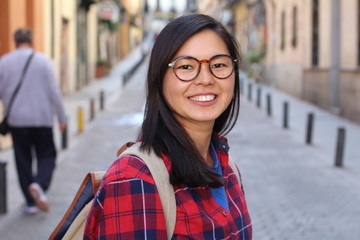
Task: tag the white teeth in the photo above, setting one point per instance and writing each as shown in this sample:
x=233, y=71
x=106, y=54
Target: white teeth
x=203, y=98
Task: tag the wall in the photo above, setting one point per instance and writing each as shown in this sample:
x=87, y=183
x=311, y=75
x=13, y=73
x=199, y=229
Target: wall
x=350, y=94
x=349, y=29
x=291, y=69
x=241, y=16
x=5, y=38
x=60, y=43
x=283, y=66
x=211, y=7
x=350, y=70
x=92, y=41
x=315, y=86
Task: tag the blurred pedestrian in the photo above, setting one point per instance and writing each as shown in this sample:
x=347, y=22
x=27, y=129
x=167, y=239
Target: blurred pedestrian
x=31, y=116
x=192, y=98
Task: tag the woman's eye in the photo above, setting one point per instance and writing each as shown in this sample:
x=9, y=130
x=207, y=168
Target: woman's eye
x=218, y=65
x=185, y=67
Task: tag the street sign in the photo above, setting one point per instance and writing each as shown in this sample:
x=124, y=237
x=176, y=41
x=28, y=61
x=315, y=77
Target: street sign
x=108, y=10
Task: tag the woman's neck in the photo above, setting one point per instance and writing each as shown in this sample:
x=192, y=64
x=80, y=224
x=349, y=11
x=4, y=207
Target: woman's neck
x=201, y=138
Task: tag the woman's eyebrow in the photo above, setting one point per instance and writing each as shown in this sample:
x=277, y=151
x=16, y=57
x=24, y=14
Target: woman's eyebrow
x=185, y=56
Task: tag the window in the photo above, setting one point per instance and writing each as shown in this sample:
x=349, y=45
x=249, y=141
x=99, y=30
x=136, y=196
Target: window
x=315, y=33
x=294, y=28
x=282, y=37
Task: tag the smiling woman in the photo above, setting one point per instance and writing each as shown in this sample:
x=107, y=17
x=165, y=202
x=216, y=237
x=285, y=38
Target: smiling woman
x=192, y=100
x=198, y=96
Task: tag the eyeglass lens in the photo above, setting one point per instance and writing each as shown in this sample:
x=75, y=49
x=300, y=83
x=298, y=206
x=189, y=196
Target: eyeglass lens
x=188, y=68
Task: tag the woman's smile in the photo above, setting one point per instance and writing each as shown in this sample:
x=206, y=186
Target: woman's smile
x=203, y=98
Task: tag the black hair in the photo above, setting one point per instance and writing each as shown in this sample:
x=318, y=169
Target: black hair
x=160, y=130
x=23, y=35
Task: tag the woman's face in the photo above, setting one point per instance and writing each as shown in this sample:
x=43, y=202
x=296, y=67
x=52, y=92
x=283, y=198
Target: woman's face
x=205, y=98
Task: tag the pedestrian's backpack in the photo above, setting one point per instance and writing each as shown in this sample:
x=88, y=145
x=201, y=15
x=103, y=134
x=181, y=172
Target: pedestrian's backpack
x=72, y=225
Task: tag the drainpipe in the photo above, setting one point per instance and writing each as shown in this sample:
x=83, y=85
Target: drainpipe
x=334, y=78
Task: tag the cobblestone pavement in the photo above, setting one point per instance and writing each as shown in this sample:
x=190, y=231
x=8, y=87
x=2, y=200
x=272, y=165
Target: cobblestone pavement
x=293, y=190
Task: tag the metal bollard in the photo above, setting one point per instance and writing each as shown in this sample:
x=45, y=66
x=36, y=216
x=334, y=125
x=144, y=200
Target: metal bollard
x=80, y=119
x=340, y=147
x=250, y=91
x=126, y=77
x=64, y=139
x=92, y=109
x=286, y=115
x=309, y=128
x=258, y=97
x=3, y=195
x=268, y=104
x=241, y=86
x=102, y=100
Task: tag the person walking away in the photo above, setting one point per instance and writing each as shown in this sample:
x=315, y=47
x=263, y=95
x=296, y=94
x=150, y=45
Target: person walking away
x=31, y=117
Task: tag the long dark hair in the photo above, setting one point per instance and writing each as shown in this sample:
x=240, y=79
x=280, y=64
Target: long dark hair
x=160, y=130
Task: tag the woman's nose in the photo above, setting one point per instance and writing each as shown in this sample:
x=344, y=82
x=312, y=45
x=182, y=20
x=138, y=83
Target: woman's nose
x=205, y=76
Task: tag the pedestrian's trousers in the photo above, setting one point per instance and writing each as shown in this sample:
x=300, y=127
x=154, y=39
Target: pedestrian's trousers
x=29, y=143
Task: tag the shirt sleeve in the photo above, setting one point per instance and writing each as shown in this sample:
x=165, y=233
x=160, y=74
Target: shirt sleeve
x=127, y=208
x=54, y=92
x=1, y=79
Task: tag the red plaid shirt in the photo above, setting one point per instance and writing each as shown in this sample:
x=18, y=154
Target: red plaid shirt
x=127, y=205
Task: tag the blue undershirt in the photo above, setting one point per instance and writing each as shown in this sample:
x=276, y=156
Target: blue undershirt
x=218, y=194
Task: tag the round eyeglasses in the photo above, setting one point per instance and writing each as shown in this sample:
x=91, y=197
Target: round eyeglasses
x=187, y=68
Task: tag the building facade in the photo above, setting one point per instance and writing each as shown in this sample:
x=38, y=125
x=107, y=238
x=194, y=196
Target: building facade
x=58, y=27
x=310, y=48
x=78, y=36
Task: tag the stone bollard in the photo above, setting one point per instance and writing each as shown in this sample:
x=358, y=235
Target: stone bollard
x=241, y=86
x=250, y=92
x=286, y=115
x=102, y=100
x=92, y=109
x=268, y=104
x=258, y=97
x=309, y=128
x=340, y=145
x=3, y=195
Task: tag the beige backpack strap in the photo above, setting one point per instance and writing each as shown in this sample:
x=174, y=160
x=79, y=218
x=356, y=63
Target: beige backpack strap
x=161, y=177
x=76, y=228
x=235, y=170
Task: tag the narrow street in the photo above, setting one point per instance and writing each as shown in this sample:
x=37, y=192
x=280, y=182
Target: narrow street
x=297, y=139
x=293, y=191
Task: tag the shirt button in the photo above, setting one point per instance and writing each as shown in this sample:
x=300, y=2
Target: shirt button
x=225, y=213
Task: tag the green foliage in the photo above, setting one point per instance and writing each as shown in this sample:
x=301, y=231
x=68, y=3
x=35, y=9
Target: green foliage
x=106, y=24
x=254, y=57
x=249, y=72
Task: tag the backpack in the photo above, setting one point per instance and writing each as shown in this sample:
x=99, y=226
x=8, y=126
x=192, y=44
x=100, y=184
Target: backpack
x=72, y=225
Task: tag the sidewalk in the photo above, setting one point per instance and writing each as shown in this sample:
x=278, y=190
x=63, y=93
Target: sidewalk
x=325, y=129
x=112, y=85
x=293, y=190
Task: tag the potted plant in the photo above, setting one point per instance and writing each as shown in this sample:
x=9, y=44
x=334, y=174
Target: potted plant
x=102, y=68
